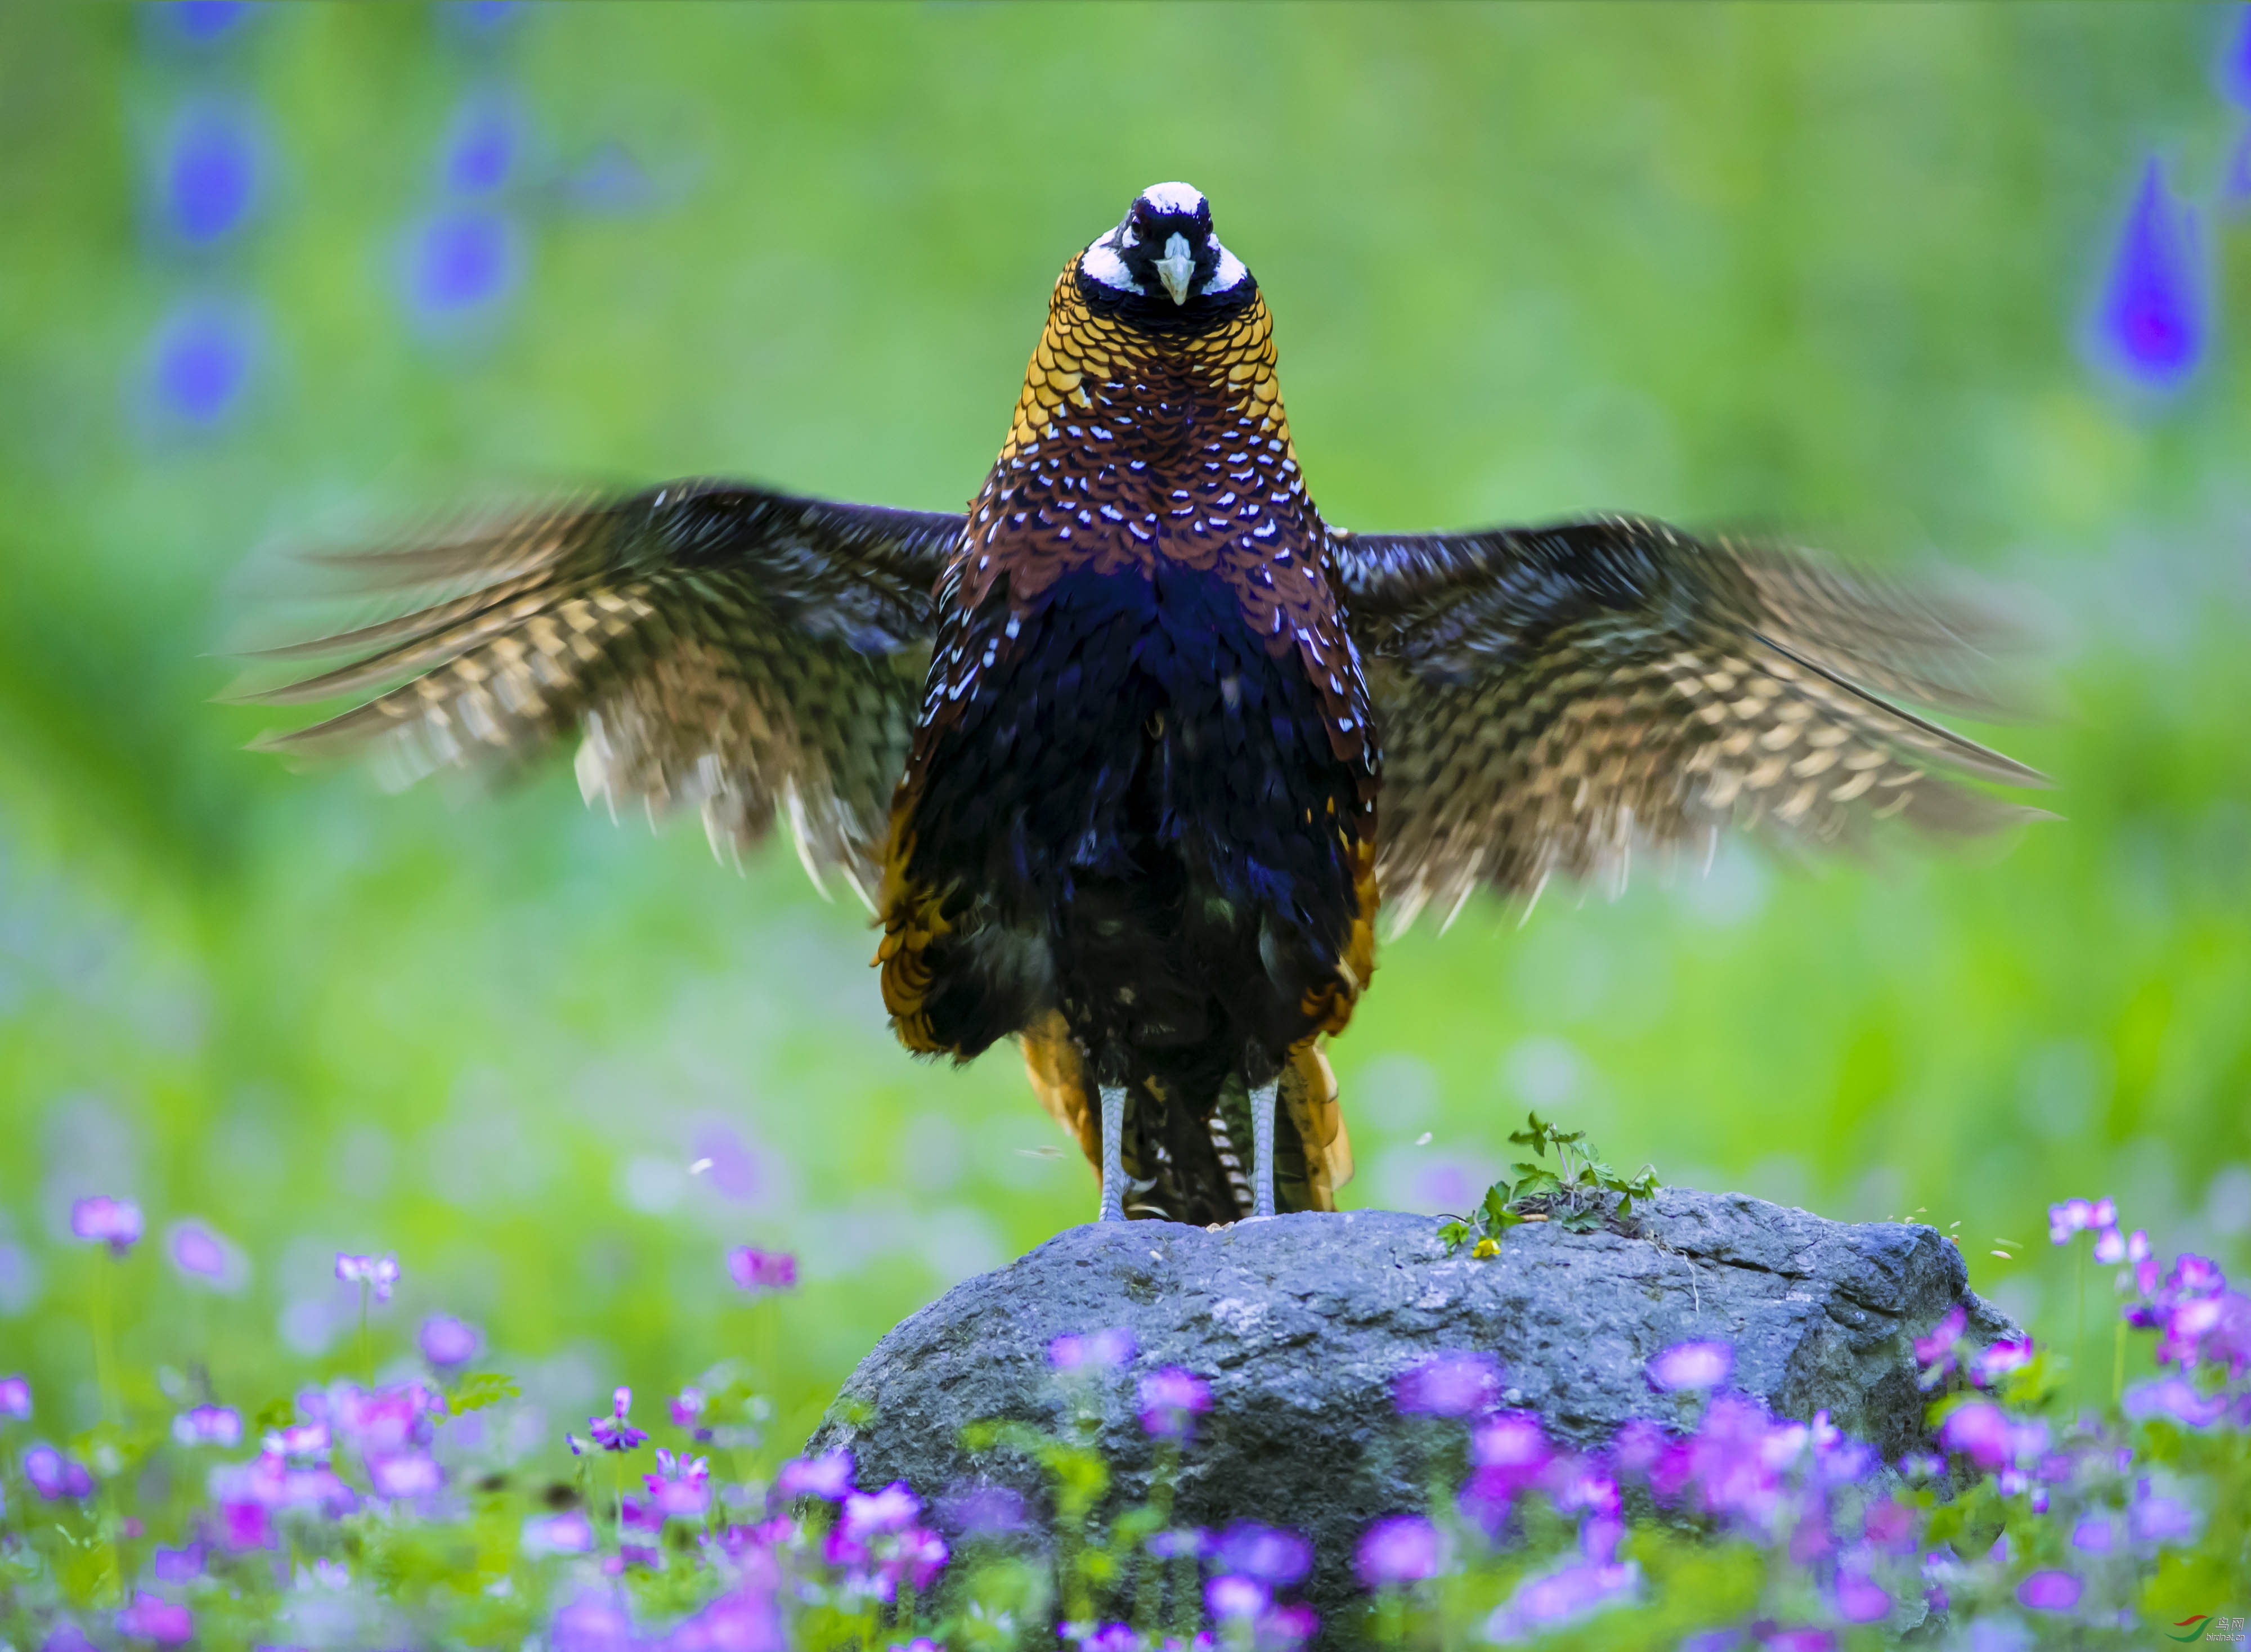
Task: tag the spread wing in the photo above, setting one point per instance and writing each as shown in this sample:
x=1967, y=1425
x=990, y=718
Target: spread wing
x=747, y=651
x=1549, y=697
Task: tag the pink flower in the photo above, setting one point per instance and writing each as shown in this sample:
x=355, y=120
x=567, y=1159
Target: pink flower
x=1981, y=1430
x=761, y=1271
x=1171, y=1401
x=414, y=1475
x=1405, y=1548
x=103, y=1221
x=1859, y=1601
x=1692, y=1365
x=1451, y=1385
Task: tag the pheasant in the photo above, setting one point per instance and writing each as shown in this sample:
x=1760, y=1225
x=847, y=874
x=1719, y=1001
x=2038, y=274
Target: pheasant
x=1127, y=757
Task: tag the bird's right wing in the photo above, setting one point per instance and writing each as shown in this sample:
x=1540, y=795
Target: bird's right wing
x=748, y=651
x=1549, y=698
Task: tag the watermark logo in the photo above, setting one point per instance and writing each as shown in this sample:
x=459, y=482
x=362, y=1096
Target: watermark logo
x=2207, y=1627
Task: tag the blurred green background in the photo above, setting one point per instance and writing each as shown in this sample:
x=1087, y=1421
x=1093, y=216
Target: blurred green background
x=1826, y=268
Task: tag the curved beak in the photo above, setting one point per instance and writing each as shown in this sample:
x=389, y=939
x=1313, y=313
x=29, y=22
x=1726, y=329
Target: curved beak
x=1176, y=267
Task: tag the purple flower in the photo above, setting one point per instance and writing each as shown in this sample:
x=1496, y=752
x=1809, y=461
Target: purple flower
x=1228, y=1599
x=2111, y=1246
x=566, y=1533
x=16, y=1397
x=2150, y=321
x=375, y=1274
x=2072, y=1216
x=1096, y=1351
x=1181, y=1542
x=875, y=1537
x=103, y=1221
x=680, y=1489
x=1545, y=1600
x=1272, y=1554
x=761, y=1271
x=592, y=1622
x=1988, y=1365
x=1935, y=1353
x=2175, y=1397
x=410, y=1475
x=203, y=1256
x=1171, y=1399
x=688, y=1408
x=614, y=1432
x=2162, y=1520
x=1405, y=1548
x=447, y=1341
x=746, y=1619
x=1859, y=1601
x=1454, y=1385
x=55, y=1476
x=828, y=1476
x=893, y=1508
x=982, y=1511
x=2049, y=1591
x=176, y=1565
x=1692, y=1365
x=208, y=1425
x=2094, y=1535
x=153, y=1618
x=1982, y=1431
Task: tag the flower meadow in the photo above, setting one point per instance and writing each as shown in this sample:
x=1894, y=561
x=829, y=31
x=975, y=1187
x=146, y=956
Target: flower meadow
x=415, y=1511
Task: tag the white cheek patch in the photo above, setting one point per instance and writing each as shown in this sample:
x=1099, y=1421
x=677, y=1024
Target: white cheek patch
x=1228, y=273
x=1098, y=263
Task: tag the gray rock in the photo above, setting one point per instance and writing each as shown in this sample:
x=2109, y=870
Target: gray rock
x=1301, y=1323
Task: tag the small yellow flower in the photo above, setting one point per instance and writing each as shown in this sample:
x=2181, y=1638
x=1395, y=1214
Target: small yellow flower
x=1486, y=1248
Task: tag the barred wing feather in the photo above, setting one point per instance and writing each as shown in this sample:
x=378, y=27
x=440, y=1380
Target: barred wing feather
x=747, y=652
x=1551, y=698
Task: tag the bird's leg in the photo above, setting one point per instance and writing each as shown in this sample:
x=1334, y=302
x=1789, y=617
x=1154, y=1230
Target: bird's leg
x=1113, y=1154
x=1262, y=1149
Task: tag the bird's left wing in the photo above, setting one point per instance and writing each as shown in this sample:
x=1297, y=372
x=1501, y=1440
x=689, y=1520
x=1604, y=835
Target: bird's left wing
x=748, y=651
x=1549, y=698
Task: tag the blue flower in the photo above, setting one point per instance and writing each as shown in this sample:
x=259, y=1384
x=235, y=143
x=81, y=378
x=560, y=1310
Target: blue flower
x=210, y=169
x=481, y=149
x=2235, y=62
x=2150, y=323
x=461, y=260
